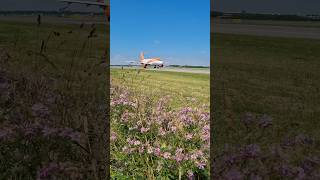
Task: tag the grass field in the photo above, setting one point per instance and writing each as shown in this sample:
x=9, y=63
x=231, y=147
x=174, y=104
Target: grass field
x=269, y=22
x=276, y=80
x=53, y=82
x=168, y=117
x=276, y=76
x=182, y=86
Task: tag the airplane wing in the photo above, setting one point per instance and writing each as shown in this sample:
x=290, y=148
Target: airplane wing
x=88, y=3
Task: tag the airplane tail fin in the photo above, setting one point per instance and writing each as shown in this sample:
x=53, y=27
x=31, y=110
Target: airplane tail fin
x=141, y=56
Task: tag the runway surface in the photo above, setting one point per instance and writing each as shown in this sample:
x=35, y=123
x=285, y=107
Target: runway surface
x=56, y=19
x=172, y=69
x=266, y=30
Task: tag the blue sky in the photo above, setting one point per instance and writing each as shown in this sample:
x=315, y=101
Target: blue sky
x=177, y=31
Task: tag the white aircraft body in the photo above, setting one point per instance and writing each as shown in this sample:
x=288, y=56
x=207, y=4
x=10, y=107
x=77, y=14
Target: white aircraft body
x=156, y=62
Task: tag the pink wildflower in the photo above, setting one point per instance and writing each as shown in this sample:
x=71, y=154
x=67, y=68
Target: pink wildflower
x=143, y=130
x=200, y=165
x=166, y=155
x=113, y=136
x=136, y=143
x=190, y=174
x=131, y=142
x=150, y=150
x=173, y=128
x=188, y=136
x=157, y=151
x=141, y=149
x=161, y=132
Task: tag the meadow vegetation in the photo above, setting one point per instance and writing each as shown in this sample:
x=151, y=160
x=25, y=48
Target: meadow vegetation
x=160, y=124
x=266, y=107
x=53, y=100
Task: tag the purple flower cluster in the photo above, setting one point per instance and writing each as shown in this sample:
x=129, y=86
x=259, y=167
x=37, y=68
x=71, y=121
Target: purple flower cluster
x=38, y=130
x=176, y=137
x=59, y=171
x=123, y=99
x=251, y=158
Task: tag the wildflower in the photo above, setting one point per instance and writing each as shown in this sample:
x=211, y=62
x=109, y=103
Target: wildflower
x=173, y=128
x=125, y=116
x=149, y=150
x=188, y=136
x=265, y=121
x=131, y=142
x=139, y=123
x=205, y=136
x=285, y=171
x=190, y=174
x=204, y=117
x=161, y=132
x=136, y=143
x=233, y=174
x=251, y=150
x=141, y=149
x=113, y=136
x=125, y=149
x=194, y=156
x=143, y=130
x=185, y=110
x=303, y=140
x=179, y=150
x=166, y=155
x=200, y=165
x=157, y=151
x=248, y=119
x=199, y=153
x=132, y=150
x=206, y=128
x=179, y=155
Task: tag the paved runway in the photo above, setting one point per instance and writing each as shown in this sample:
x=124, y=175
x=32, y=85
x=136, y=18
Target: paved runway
x=55, y=19
x=267, y=30
x=173, y=69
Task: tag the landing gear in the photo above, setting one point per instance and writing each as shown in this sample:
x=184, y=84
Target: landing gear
x=155, y=66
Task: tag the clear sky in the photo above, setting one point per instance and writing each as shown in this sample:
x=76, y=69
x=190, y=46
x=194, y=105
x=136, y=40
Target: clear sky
x=177, y=31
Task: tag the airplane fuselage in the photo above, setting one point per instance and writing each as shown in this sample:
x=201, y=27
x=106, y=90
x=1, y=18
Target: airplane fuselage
x=152, y=62
x=156, y=62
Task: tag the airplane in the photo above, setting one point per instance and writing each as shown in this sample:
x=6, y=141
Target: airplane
x=131, y=63
x=100, y=3
x=156, y=62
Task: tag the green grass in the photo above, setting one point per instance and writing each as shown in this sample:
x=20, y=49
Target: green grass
x=274, y=76
x=311, y=24
x=180, y=86
x=66, y=67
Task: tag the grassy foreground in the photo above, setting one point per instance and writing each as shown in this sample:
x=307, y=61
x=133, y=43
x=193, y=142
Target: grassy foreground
x=266, y=107
x=52, y=103
x=159, y=124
